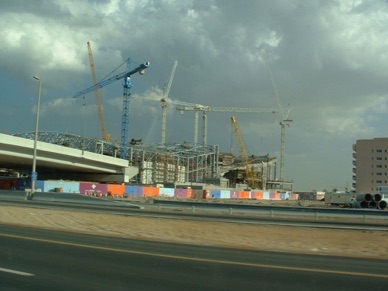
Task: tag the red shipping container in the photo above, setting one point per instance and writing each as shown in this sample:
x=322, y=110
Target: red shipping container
x=257, y=195
x=150, y=191
x=206, y=194
x=5, y=184
x=244, y=194
x=115, y=189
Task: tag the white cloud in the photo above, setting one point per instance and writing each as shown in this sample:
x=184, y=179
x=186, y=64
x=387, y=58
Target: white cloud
x=328, y=59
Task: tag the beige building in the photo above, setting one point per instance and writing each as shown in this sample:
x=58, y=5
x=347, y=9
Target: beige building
x=370, y=165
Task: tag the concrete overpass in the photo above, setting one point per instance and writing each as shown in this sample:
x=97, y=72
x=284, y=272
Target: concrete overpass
x=61, y=162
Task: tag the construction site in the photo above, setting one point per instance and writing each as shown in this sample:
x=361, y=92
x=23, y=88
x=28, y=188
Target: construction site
x=188, y=164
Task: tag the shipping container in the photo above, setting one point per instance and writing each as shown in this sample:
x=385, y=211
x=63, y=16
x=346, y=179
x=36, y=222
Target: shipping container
x=61, y=186
x=116, y=189
x=266, y=195
x=93, y=189
x=166, y=192
x=215, y=194
x=244, y=194
x=23, y=184
x=234, y=194
x=257, y=195
x=225, y=194
x=131, y=190
x=134, y=191
x=197, y=194
x=340, y=198
x=189, y=193
x=181, y=193
x=5, y=184
x=206, y=194
x=39, y=184
x=150, y=191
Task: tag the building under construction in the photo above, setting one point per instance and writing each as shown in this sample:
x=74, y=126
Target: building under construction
x=174, y=163
x=177, y=163
x=263, y=169
x=168, y=163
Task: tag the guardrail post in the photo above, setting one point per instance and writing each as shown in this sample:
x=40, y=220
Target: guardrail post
x=193, y=208
x=230, y=211
x=365, y=218
x=159, y=206
x=271, y=212
x=316, y=215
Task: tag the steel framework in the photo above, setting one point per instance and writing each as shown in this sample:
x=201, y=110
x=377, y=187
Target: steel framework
x=158, y=163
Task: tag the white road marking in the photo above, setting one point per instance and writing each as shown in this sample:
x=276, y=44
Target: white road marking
x=15, y=272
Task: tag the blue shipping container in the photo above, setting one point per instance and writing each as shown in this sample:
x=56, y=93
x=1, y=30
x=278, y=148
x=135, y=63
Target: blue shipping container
x=215, y=194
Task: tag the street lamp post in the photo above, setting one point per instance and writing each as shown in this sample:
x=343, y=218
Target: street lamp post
x=34, y=175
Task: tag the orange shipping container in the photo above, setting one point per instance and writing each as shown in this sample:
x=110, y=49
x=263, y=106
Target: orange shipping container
x=257, y=195
x=277, y=196
x=244, y=194
x=150, y=191
x=116, y=189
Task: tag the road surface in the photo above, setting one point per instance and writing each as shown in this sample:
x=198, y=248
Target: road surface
x=37, y=259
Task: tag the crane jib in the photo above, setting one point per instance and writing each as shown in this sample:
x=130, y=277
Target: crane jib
x=140, y=69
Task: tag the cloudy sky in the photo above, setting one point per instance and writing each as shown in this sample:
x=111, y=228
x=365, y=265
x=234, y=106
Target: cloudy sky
x=328, y=60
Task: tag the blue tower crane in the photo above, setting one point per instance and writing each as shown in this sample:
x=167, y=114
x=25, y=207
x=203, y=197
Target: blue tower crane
x=126, y=99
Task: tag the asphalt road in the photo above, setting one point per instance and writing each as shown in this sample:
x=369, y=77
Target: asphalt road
x=37, y=259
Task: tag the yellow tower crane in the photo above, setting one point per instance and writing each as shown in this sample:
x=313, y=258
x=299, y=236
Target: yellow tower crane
x=252, y=182
x=105, y=136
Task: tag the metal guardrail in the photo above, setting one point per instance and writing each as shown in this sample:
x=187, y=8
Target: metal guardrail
x=315, y=213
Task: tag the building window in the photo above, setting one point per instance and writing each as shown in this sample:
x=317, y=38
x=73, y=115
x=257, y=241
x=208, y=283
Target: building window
x=379, y=181
x=379, y=151
x=379, y=174
x=379, y=158
x=379, y=166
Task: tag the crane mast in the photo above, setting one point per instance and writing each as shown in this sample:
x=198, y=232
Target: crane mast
x=243, y=152
x=164, y=103
x=97, y=95
x=285, y=119
x=126, y=100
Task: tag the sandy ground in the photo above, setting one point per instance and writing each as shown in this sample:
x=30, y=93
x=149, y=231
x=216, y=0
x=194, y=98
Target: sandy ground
x=371, y=244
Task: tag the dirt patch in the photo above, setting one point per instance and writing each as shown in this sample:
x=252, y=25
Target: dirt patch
x=356, y=243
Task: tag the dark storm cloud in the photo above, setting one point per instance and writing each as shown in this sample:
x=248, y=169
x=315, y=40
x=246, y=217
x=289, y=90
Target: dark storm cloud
x=328, y=60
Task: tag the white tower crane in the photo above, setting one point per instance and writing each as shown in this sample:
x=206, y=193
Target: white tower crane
x=285, y=120
x=164, y=102
x=205, y=109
